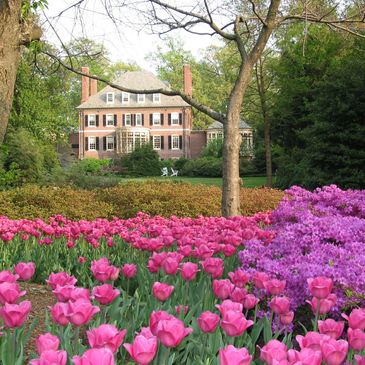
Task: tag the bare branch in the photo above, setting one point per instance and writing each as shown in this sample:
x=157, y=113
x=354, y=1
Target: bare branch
x=256, y=13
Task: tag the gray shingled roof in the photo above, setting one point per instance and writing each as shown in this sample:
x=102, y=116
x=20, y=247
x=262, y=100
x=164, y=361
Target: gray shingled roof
x=219, y=125
x=133, y=80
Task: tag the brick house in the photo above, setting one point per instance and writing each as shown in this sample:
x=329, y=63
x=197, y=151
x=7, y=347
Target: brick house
x=112, y=122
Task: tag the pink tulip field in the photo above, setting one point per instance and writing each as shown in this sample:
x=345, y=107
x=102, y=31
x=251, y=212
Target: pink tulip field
x=152, y=290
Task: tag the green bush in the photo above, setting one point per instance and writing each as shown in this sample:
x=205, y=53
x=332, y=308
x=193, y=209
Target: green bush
x=180, y=163
x=143, y=161
x=214, y=148
x=93, y=166
x=203, y=167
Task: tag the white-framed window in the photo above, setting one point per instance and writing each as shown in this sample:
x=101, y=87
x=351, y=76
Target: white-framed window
x=92, y=143
x=156, y=119
x=109, y=143
x=110, y=98
x=125, y=98
x=174, y=118
x=128, y=119
x=91, y=120
x=156, y=98
x=141, y=98
x=110, y=120
x=175, y=145
x=138, y=120
x=156, y=141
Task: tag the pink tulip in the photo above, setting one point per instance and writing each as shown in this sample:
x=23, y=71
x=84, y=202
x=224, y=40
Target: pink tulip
x=101, y=356
x=162, y=291
x=82, y=260
x=320, y=287
x=189, y=271
x=144, y=348
x=360, y=360
x=234, y=323
x=80, y=293
x=259, y=279
x=170, y=265
x=334, y=352
x=81, y=311
x=208, y=321
x=103, y=271
x=61, y=279
x=274, y=350
x=231, y=355
x=356, y=319
x=239, y=278
x=213, y=266
x=105, y=294
x=63, y=293
x=172, y=331
x=129, y=270
x=156, y=317
x=25, y=270
x=229, y=305
x=275, y=286
x=249, y=301
x=59, y=313
x=182, y=309
x=10, y=293
x=222, y=289
x=107, y=336
x=306, y=356
x=8, y=277
x=50, y=357
x=312, y=340
x=238, y=294
x=325, y=305
x=287, y=318
x=356, y=339
x=280, y=305
x=331, y=328
x=14, y=315
x=47, y=342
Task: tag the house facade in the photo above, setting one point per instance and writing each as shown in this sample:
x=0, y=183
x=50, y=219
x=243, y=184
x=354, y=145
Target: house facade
x=112, y=122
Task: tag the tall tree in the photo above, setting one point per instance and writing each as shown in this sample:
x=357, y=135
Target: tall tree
x=249, y=30
x=17, y=28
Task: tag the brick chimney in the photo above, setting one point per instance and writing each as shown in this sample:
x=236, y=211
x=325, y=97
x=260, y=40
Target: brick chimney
x=93, y=86
x=85, y=81
x=188, y=81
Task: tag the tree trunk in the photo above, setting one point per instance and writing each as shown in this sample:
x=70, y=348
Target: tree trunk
x=231, y=145
x=267, y=143
x=10, y=44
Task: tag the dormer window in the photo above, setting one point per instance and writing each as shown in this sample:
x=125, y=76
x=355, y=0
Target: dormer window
x=110, y=98
x=125, y=98
x=157, y=98
x=141, y=98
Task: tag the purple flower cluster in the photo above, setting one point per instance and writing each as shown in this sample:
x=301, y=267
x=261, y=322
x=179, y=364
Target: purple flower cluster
x=320, y=233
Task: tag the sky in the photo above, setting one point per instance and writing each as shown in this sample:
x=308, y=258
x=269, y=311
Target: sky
x=123, y=42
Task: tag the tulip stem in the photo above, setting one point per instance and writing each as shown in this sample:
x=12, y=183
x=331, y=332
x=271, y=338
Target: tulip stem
x=165, y=353
x=76, y=340
x=317, y=315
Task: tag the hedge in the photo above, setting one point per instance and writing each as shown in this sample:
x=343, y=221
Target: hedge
x=125, y=200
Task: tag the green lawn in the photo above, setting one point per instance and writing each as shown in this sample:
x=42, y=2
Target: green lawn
x=248, y=182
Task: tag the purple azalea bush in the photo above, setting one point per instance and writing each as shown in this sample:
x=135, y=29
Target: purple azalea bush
x=320, y=233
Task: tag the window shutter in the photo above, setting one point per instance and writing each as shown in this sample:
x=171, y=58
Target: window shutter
x=133, y=117
x=97, y=143
x=104, y=120
x=162, y=142
x=142, y=119
x=86, y=143
x=86, y=120
x=161, y=118
x=97, y=120
x=123, y=120
x=169, y=119
x=115, y=142
x=115, y=120
x=180, y=118
x=151, y=116
x=104, y=143
x=180, y=142
x=169, y=142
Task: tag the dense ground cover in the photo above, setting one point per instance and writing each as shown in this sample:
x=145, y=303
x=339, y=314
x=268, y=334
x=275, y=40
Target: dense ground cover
x=125, y=200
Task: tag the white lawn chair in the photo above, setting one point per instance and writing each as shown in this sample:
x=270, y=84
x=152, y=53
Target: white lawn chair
x=174, y=172
x=165, y=171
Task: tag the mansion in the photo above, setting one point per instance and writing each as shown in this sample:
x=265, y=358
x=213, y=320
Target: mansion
x=112, y=122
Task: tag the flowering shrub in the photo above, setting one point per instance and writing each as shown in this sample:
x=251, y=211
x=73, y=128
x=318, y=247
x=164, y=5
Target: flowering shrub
x=319, y=233
x=125, y=200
